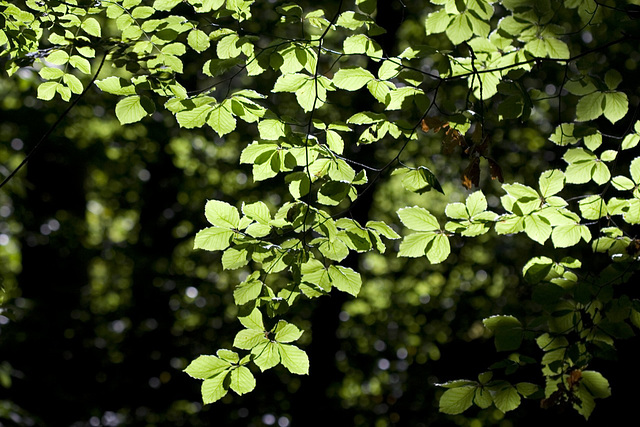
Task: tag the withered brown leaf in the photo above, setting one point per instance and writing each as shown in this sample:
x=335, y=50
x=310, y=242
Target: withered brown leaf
x=471, y=175
x=434, y=124
x=495, y=170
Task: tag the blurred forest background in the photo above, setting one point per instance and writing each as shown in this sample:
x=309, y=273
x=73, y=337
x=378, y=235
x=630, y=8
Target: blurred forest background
x=106, y=302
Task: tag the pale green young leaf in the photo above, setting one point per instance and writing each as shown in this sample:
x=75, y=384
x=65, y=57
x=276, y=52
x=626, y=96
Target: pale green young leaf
x=266, y=355
x=593, y=207
x=565, y=236
x=290, y=82
x=615, y=106
x=590, y=107
x=198, y=40
x=242, y=380
x=438, y=248
x=521, y=192
x=247, y=339
x=253, y=320
x=47, y=90
x=195, y=117
x=287, y=332
x=600, y=173
x=380, y=90
x=418, y=219
x=51, y=73
x=335, y=142
x=221, y=119
x=551, y=182
x=593, y=141
x=73, y=83
x=457, y=400
x=228, y=47
x=632, y=215
x=437, y=22
x=213, y=239
x=563, y=135
x=630, y=141
x=383, y=229
x=91, y=26
x=335, y=249
x=476, y=202
x=537, y=228
x=206, y=367
x=213, y=389
x=634, y=170
x=81, y=64
x=345, y=279
x=248, y=290
x=222, y=214
x=509, y=224
x=294, y=359
x=165, y=4
x=116, y=86
x=233, y=258
x=456, y=211
x=133, y=109
x=415, y=245
x=460, y=29
x=506, y=398
x=352, y=78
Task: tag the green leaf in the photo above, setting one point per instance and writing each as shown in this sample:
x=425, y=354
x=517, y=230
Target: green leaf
x=352, y=78
x=206, y=367
x=418, y=219
x=253, y=320
x=198, y=40
x=221, y=119
x=213, y=389
x=294, y=359
x=457, y=400
x=537, y=227
x=213, y=239
x=286, y=332
x=590, y=107
x=507, y=330
x=91, y=26
x=222, y=214
x=460, y=29
x=616, y=106
x=116, y=86
x=248, y=290
x=133, y=109
x=597, y=385
x=438, y=248
x=266, y=355
x=507, y=398
x=247, y=339
x=593, y=207
x=47, y=90
x=415, y=245
x=345, y=279
x=242, y=380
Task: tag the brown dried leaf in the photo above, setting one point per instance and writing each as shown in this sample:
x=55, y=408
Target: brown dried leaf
x=574, y=377
x=471, y=175
x=452, y=138
x=434, y=124
x=483, y=147
x=495, y=170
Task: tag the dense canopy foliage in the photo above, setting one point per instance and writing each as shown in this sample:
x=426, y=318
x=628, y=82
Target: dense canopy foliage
x=464, y=173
